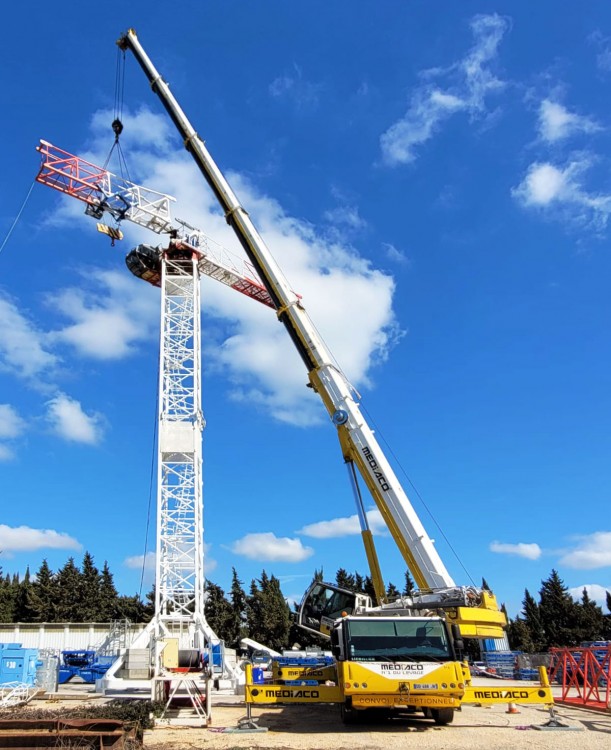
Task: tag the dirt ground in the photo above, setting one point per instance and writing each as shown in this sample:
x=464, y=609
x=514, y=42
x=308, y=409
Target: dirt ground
x=314, y=728
x=319, y=727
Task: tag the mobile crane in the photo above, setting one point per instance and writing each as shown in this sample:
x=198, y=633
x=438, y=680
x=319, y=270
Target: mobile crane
x=404, y=654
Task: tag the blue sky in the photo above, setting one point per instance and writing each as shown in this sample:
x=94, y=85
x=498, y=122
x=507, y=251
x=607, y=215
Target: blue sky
x=434, y=179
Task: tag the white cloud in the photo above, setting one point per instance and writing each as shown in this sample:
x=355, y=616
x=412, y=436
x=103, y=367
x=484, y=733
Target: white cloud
x=22, y=344
x=596, y=592
x=559, y=192
x=592, y=551
x=135, y=562
x=11, y=427
x=253, y=351
x=6, y=453
x=106, y=323
x=603, y=58
x=267, y=546
x=347, y=526
x=530, y=551
x=543, y=184
x=394, y=254
x=557, y=123
x=470, y=81
x=11, y=424
x=150, y=561
x=304, y=94
x=69, y=421
x=26, y=539
x=347, y=216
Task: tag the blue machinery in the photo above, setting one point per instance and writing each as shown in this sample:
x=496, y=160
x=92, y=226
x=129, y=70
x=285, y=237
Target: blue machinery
x=83, y=664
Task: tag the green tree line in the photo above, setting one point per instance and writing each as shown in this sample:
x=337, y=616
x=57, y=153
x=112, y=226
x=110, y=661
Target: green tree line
x=86, y=594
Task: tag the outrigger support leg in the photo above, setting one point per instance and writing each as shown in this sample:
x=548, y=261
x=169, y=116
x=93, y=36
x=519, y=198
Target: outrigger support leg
x=554, y=723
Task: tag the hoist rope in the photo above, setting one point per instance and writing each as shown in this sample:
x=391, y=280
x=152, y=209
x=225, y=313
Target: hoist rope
x=151, y=483
x=14, y=224
x=117, y=124
x=418, y=495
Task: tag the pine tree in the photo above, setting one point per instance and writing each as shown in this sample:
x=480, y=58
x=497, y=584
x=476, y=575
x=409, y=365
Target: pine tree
x=148, y=611
x=558, y=612
x=268, y=613
x=238, y=606
x=45, y=587
x=131, y=608
x=345, y=580
x=519, y=636
x=410, y=586
x=392, y=593
x=108, y=596
x=7, y=599
x=219, y=612
x=368, y=588
x=69, y=593
x=254, y=612
x=26, y=603
x=90, y=590
x=532, y=620
x=590, y=621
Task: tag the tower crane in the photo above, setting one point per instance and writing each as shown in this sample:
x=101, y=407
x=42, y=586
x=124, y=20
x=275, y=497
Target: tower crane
x=176, y=269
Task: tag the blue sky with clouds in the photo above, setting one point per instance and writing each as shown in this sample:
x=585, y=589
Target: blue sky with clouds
x=433, y=178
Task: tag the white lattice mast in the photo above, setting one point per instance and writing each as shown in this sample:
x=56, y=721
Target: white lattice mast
x=180, y=569
x=176, y=269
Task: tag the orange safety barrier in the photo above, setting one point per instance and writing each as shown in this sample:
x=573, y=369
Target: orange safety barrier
x=584, y=674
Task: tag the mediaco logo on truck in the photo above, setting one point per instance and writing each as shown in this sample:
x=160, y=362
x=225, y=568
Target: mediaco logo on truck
x=292, y=694
x=374, y=465
x=504, y=694
x=402, y=667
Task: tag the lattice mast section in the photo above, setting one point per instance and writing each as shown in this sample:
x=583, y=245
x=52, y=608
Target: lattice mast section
x=180, y=567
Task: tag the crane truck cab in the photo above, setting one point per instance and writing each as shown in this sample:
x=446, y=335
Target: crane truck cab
x=389, y=664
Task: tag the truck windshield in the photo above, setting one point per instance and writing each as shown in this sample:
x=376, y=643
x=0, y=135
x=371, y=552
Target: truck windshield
x=397, y=640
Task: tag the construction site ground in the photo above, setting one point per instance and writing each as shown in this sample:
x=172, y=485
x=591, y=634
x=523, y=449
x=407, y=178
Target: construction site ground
x=318, y=727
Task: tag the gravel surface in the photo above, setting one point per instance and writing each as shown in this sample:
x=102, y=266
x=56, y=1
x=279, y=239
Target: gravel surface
x=319, y=727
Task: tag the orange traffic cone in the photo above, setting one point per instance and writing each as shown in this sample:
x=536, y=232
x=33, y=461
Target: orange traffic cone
x=512, y=709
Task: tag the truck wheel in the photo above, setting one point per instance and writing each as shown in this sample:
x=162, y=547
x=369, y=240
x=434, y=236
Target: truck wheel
x=442, y=715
